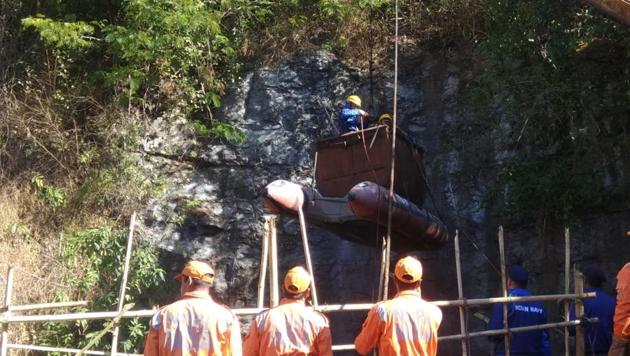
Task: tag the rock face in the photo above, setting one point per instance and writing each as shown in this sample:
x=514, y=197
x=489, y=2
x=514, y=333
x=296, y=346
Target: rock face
x=212, y=210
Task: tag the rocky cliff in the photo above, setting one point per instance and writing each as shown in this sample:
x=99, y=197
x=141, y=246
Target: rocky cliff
x=212, y=208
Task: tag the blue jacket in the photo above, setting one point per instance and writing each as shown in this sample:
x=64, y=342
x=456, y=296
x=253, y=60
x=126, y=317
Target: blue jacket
x=522, y=314
x=597, y=336
x=349, y=119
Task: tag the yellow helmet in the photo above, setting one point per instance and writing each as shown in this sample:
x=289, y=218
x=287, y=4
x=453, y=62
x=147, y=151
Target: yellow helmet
x=297, y=280
x=383, y=118
x=354, y=99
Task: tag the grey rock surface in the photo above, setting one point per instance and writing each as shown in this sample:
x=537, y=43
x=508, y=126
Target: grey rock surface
x=212, y=209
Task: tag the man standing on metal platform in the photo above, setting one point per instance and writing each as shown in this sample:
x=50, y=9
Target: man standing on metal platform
x=406, y=324
x=351, y=115
x=292, y=328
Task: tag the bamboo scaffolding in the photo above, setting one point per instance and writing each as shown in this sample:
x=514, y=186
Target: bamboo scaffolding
x=578, y=285
x=264, y=257
x=8, y=292
x=307, y=254
x=489, y=332
x=274, y=297
x=61, y=349
x=567, y=272
x=123, y=283
x=29, y=307
x=506, y=338
x=460, y=294
x=253, y=311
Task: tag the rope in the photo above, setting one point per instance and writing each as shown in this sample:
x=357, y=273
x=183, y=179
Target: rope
x=392, y=175
x=440, y=215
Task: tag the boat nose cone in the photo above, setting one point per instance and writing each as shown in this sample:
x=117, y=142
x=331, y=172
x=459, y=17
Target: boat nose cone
x=283, y=194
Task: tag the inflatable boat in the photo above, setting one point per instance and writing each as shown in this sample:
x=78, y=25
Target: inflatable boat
x=351, y=198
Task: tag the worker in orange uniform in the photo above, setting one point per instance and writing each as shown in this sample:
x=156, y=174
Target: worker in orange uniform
x=406, y=324
x=291, y=328
x=620, y=345
x=195, y=324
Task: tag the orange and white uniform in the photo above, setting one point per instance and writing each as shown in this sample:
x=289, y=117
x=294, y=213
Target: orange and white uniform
x=291, y=328
x=404, y=325
x=194, y=326
x=621, y=319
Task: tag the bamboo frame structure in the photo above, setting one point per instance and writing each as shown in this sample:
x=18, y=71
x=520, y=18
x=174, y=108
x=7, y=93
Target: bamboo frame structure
x=567, y=273
x=578, y=284
x=8, y=292
x=504, y=287
x=274, y=296
x=30, y=307
x=307, y=254
x=62, y=349
x=264, y=253
x=7, y=318
x=460, y=295
x=123, y=283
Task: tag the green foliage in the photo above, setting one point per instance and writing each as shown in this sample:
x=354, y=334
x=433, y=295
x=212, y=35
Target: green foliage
x=219, y=131
x=95, y=259
x=555, y=80
x=60, y=34
x=53, y=196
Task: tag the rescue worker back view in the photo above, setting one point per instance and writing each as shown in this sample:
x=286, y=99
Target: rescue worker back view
x=292, y=328
x=406, y=324
x=195, y=324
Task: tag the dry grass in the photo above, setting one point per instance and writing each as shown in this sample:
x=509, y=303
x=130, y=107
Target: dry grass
x=421, y=24
x=37, y=275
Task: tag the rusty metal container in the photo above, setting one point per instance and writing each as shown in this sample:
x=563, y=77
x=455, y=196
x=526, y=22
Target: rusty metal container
x=344, y=161
x=617, y=9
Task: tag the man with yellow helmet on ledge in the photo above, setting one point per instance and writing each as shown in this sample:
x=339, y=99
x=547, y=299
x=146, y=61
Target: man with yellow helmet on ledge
x=292, y=328
x=351, y=115
x=406, y=324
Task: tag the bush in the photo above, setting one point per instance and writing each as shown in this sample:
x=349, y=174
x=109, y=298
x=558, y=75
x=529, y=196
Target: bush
x=94, y=259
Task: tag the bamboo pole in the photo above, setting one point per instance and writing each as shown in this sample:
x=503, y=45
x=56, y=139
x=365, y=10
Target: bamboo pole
x=307, y=254
x=506, y=338
x=29, y=307
x=274, y=298
x=61, y=349
x=487, y=333
x=381, y=276
x=123, y=283
x=8, y=292
x=567, y=273
x=460, y=295
x=578, y=285
x=253, y=311
x=515, y=330
x=264, y=257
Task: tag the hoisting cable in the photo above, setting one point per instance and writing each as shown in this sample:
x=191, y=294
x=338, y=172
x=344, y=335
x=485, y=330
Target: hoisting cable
x=365, y=148
x=388, y=239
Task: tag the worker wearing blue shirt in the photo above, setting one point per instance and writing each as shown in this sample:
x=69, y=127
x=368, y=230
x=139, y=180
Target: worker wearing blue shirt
x=597, y=337
x=521, y=314
x=351, y=115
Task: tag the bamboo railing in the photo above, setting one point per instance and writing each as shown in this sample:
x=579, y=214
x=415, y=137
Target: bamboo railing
x=7, y=317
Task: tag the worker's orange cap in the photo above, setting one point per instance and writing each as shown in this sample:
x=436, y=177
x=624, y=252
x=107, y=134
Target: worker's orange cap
x=297, y=280
x=408, y=270
x=197, y=270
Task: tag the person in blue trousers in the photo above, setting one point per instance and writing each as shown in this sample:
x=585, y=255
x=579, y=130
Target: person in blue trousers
x=530, y=343
x=597, y=336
